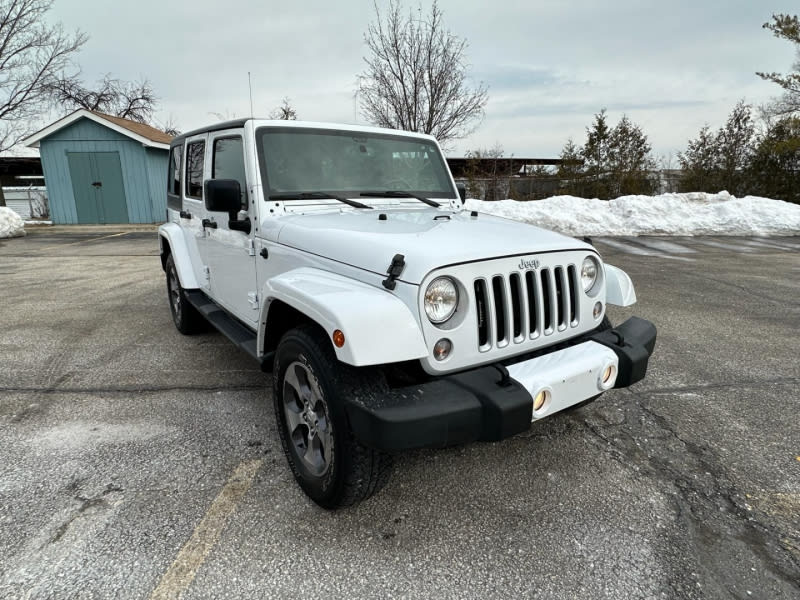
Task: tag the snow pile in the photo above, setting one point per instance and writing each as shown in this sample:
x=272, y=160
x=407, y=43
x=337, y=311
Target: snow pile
x=11, y=224
x=694, y=213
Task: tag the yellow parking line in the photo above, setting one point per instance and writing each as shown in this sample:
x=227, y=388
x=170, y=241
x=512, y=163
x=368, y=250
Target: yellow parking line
x=182, y=571
x=84, y=241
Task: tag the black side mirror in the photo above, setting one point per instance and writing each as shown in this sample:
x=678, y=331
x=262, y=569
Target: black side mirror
x=462, y=191
x=225, y=195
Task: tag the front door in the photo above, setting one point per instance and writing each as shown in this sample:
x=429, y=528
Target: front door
x=97, y=187
x=231, y=254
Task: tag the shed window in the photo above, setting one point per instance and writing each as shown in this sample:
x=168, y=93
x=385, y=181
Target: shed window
x=194, y=169
x=228, y=162
x=174, y=177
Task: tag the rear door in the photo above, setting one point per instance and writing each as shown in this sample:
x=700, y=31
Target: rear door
x=194, y=160
x=231, y=254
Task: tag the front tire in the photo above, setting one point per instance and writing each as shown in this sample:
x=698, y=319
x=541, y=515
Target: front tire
x=185, y=316
x=309, y=389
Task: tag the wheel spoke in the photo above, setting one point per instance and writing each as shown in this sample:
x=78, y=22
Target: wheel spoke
x=291, y=381
x=325, y=444
x=304, y=387
x=293, y=419
x=313, y=455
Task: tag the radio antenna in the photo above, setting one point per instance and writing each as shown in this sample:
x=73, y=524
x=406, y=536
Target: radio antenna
x=250, y=85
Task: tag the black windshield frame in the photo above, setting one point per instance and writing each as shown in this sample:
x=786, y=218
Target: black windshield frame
x=445, y=190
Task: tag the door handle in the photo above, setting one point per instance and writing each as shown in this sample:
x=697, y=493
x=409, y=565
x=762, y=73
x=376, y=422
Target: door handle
x=185, y=214
x=209, y=223
x=97, y=184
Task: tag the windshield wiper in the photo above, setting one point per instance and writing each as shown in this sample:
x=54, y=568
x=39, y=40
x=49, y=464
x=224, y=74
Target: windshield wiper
x=399, y=194
x=317, y=196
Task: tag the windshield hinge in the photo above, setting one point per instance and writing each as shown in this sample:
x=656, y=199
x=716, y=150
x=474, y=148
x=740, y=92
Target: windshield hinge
x=395, y=269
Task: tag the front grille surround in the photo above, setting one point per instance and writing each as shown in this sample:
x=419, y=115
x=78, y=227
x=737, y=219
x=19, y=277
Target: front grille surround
x=510, y=312
x=510, y=308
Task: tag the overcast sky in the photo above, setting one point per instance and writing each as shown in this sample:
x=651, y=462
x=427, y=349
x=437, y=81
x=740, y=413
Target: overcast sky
x=550, y=65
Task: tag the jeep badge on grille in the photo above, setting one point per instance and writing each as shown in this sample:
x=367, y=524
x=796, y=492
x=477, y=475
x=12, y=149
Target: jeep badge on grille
x=528, y=264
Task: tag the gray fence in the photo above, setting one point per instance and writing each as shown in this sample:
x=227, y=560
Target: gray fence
x=29, y=202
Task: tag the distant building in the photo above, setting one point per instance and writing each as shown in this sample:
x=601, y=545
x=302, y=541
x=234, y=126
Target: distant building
x=103, y=169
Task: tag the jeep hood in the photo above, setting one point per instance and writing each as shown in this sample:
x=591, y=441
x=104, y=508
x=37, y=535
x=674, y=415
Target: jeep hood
x=428, y=238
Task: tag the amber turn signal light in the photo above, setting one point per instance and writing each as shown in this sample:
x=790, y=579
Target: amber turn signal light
x=338, y=338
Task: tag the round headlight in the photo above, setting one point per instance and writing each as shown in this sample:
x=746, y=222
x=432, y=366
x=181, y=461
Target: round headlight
x=589, y=271
x=441, y=299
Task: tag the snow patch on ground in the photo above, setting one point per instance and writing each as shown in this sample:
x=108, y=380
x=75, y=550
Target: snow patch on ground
x=11, y=224
x=695, y=213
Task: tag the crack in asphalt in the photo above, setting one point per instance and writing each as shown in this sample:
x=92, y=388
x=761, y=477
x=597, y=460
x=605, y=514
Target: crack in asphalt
x=708, y=503
x=132, y=388
x=700, y=387
x=86, y=504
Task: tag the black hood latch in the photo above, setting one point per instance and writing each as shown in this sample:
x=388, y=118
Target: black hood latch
x=395, y=269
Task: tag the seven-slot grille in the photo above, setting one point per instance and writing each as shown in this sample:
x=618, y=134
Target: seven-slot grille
x=525, y=305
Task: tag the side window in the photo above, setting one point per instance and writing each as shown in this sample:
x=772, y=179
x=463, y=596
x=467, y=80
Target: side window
x=194, y=169
x=174, y=176
x=227, y=162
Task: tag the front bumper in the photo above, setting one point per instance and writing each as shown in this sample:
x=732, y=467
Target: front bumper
x=484, y=404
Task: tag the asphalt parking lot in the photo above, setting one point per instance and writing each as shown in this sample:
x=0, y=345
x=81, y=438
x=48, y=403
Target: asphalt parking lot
x=139, y=463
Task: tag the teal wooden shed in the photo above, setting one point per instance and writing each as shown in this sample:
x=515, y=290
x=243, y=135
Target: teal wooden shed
x=103, y=169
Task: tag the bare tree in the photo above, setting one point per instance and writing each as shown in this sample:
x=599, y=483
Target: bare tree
x=785, y=27
x=226, y=116
x=32, y=55
x=416, y=76
x=284, y=112
x=134, y=100
x=170, y=126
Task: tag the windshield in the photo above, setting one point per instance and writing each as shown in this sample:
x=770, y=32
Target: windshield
x=295, y=160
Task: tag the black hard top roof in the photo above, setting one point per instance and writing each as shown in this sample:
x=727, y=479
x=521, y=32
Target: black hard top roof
x=215, y=127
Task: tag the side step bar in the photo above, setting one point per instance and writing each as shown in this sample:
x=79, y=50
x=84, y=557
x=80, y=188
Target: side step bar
x=244, y=337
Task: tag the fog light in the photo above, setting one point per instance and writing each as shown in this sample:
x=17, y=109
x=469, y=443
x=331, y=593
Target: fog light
x=607, y=378
x=442, y=348
x=540, y=399
x=598, y=308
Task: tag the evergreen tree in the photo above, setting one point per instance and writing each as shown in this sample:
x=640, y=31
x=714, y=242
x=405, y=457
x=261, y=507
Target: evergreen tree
x=699, y=164
x=735, y=147
x=570, y=169
x=717, y=162
x=785, y=27
x=630, y=161
x=774, y=170
x=617, y=161
x=595, y=156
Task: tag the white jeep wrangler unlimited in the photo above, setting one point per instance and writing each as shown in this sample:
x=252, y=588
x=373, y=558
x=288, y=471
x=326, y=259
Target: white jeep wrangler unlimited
x=342, y=258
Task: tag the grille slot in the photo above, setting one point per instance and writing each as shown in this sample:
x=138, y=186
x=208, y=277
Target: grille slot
x=548, y=300
x=572, y=277
x=481, y=305
x=533, y=304
x=500, y=310
x=516, y=306
x=525, y=305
